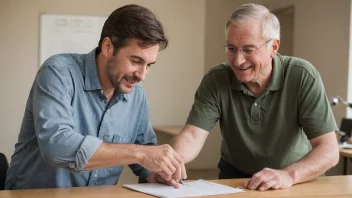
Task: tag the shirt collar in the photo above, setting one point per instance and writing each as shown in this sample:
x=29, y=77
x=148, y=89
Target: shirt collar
x=124, y=96
x=91, y=79
x=276, y=81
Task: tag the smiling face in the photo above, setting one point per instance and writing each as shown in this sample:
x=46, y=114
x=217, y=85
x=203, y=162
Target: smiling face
x=256, y=68
x=129, y=65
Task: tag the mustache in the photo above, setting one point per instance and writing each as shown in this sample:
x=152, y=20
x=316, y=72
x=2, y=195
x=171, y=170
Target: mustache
x=132, y=78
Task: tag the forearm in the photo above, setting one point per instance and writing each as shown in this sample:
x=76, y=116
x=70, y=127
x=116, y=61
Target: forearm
x=189, y=142
x=108, y=155
x=315, y=163
x=183, y=146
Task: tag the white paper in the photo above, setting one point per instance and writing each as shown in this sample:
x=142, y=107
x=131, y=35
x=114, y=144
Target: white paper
x=345, y=145
x=189, y=189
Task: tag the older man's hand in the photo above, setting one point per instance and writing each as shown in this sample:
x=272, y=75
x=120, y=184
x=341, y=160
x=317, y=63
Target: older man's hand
x=269, y=178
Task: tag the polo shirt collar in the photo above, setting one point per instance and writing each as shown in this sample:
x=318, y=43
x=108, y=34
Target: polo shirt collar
x=276, y=81
x=91, y=79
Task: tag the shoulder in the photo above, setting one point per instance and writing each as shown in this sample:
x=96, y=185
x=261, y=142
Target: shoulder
x=60, y=69
x=63, y=61
x=219, y=70
x=299, y=66
x=67, y=67
x=220, y=73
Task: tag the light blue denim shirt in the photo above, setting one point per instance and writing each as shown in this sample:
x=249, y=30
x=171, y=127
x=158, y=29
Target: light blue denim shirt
x=67, y=118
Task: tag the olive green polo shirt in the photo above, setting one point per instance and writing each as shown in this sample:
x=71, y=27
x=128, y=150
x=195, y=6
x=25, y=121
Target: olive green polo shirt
x=271, y=130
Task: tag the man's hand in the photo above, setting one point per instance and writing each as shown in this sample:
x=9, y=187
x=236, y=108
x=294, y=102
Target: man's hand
x=165, y=160
x=155, y=177
x=269, y=178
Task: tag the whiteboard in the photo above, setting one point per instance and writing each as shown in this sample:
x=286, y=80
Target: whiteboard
x=68, y=34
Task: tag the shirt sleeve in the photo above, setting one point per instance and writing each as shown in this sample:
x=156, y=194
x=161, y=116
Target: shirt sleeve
x=146, y=136
x=205, y=110
x=59, y=144
x=315, y=114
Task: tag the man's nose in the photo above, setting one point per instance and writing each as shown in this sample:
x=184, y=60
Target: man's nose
x=141, y=72
x=238, y=58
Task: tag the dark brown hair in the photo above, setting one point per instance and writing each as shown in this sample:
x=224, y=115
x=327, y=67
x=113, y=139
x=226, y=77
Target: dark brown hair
x=133, y=21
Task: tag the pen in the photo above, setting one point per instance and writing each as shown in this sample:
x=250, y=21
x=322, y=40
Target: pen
x=181, y=182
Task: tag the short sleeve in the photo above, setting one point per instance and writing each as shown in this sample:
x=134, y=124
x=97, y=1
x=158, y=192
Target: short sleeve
x=315, y=114
x=205, y=110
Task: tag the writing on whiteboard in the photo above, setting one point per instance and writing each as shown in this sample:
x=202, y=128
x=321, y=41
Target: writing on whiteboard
x=68, y=34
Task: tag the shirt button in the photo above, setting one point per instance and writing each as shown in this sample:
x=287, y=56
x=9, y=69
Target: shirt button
x=95, y=175
x=255, y=104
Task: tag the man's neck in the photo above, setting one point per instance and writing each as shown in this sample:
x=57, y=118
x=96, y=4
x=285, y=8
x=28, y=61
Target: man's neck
x=258, y=87
x=105, y=84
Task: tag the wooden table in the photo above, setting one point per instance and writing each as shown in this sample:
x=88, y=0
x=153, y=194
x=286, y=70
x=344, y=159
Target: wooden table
x=346, y=154
x=333, y=186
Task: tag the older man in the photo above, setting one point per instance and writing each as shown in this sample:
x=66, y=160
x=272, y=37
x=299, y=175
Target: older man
x=275, y=118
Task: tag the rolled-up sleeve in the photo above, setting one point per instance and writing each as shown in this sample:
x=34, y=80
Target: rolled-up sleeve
x=53, y=118
x=88, y=147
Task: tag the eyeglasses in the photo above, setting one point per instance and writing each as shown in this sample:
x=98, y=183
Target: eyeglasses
x=245, y=51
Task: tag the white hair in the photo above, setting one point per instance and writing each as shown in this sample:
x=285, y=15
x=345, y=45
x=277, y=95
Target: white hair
x=270, y=23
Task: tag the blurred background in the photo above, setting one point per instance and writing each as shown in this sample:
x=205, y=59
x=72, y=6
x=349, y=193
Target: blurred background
x=315, y=30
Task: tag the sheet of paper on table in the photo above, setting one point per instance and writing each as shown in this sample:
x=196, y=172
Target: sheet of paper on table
x=189, y=189
x=345, y=145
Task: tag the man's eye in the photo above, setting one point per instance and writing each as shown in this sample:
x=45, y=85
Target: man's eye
x=248, y=50
x=135, y=62
x=230, y=48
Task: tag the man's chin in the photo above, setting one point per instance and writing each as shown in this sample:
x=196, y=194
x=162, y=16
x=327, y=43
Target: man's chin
x=124, y=90
x=243, y=79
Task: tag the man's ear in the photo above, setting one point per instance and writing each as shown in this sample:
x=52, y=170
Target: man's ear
x=107, y=48
x=275, y=47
